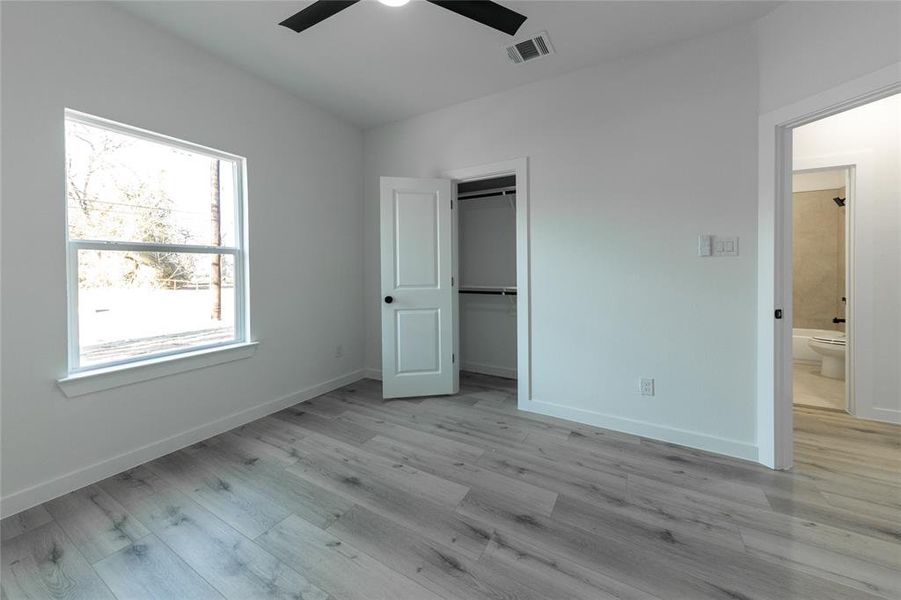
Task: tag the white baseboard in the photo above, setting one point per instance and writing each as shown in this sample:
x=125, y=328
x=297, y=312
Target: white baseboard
x=474, y=367
x=486, y=369
x=42, y=492
x=886, y=415
x=682, y=437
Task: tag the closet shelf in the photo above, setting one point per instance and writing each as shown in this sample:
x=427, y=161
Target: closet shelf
x=508, y=191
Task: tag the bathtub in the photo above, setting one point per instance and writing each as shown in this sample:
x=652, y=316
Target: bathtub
x=801, y=352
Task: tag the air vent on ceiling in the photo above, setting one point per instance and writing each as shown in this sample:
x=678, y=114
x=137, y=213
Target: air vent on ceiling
x=535, y=47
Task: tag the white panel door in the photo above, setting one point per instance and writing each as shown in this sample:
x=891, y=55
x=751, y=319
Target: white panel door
x=419, y=303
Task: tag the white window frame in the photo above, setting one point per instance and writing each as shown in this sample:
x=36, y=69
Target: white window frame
x=238, y=251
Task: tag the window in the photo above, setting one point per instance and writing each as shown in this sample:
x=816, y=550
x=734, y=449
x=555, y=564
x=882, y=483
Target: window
x=155, y=245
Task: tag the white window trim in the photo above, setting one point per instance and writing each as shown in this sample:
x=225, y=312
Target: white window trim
x=83, y=380
x=109, y=377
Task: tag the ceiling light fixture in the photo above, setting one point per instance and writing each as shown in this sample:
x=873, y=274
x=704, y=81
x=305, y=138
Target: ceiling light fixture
x=394, y=3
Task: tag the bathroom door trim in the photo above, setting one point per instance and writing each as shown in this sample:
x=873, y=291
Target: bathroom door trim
x=849, y=163
x=520, y=168
x=774, y=247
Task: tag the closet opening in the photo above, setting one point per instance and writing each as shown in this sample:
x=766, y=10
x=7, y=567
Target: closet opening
x=491, y=293
x=459, y=239
x=487, y=276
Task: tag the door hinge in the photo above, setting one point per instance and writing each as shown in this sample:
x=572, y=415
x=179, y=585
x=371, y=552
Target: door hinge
x=453, y=358
x=452, y=281
x=778, y=313
x=452, y=205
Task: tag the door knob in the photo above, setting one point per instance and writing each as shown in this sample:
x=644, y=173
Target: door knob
x=388, y=299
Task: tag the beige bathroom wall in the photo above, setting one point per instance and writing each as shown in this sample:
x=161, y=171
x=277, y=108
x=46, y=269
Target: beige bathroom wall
x=818, y=257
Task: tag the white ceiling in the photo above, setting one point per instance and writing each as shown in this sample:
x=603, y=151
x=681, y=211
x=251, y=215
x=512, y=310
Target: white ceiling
x=372, y=64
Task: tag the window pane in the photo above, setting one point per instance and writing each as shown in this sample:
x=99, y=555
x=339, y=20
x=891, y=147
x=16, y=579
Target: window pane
x=133, y=304
x=125, y=188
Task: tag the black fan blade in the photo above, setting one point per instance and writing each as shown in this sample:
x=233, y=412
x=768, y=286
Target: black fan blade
x=487, y=13
x=318, y=11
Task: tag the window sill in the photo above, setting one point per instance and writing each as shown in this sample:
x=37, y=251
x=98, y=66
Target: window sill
x=79, y=384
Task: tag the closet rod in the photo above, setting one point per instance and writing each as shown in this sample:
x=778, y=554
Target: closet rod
x=486, y=193
x=490, y=292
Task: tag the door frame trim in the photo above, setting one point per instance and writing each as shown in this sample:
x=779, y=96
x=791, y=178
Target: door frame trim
x=849, y=163
x=520, y=168
x=774, y=251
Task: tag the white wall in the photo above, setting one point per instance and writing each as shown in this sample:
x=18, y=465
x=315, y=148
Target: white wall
x=487, y=238
x=808, y=47
x=305, y=251
x=813, y=181
x=871, y=137
x=487, y=257
x=628, y=162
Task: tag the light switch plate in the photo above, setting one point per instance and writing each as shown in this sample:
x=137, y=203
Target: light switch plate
x=725, y=246
x=717, y=245
x=705, y=245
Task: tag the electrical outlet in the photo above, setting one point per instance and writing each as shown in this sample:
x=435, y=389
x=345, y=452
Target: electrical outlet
x=339, y=351
x=646, y=386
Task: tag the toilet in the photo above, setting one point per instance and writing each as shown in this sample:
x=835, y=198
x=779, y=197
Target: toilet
x=831, y=348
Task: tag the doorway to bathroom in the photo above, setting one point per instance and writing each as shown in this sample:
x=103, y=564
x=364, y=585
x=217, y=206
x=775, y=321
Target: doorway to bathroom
x=853, y=135
x=821, y=246
x=846, y=259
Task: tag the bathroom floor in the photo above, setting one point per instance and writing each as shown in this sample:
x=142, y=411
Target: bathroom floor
x=812, y=389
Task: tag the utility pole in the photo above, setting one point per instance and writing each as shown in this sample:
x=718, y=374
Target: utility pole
x=216, y=266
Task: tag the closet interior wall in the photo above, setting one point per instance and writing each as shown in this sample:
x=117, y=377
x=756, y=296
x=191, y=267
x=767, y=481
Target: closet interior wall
x=487, y=254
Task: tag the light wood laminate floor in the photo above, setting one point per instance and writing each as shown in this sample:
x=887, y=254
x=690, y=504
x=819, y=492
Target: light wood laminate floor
x=351, y=497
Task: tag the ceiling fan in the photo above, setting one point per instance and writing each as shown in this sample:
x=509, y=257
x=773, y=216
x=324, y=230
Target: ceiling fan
x=485, y=12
